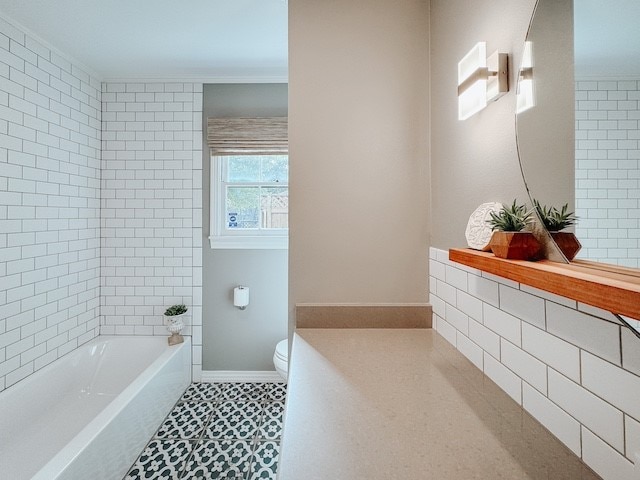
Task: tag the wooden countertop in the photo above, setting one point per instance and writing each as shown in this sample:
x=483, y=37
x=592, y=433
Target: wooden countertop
x=616, y=289
x=404, y=404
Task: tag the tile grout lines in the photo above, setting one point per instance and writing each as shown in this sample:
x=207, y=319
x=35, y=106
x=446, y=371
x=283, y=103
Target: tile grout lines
x=229, y=425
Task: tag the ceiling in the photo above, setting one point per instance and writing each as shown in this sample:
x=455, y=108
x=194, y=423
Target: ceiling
x=162, y=38
x=607, y=37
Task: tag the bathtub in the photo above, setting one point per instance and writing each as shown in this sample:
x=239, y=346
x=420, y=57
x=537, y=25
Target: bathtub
x=89, y=414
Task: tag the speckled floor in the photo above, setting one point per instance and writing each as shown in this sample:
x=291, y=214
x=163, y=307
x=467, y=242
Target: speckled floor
x=217, y=431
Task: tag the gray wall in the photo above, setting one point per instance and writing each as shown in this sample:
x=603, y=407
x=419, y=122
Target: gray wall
x=358, y=144
x=234, y=339
x=472, y=161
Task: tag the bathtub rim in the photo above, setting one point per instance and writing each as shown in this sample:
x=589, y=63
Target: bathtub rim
x=61, y=460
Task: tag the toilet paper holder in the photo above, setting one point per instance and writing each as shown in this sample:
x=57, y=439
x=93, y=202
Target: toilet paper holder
x=241, y=297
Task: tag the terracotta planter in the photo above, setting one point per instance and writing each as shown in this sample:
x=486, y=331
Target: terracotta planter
x=568, y=243
x=515, y=245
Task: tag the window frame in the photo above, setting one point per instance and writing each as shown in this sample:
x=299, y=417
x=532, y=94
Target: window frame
x=223, y=238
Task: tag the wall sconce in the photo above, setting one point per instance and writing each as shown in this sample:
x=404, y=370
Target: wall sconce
x=481, y=80
x=525, y=96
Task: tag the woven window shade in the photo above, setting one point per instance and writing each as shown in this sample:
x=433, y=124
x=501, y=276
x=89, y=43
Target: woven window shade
x=247, y=136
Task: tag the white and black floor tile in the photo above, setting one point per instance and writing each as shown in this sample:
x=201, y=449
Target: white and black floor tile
x=271, y=424
x=264, y=461
x=234, y=420
x=161, y=459
x=186, y=420
x=217, y=431
x=202, y=392
x=243, y=391
x=214, y=459
x=275, y=392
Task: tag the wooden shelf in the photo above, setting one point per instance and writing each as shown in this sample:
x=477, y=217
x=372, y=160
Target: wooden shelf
x=608, y=287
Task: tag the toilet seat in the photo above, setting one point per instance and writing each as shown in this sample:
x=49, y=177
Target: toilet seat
x=282, y=349
x=281, y=358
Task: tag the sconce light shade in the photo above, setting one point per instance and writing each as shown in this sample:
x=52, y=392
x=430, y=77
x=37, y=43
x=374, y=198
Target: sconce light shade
x=525, y=96
x=472, y=84
x=481, y=80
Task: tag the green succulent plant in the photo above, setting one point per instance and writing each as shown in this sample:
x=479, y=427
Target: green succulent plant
x=174, y=310
x=510, y=219
x=553, y=219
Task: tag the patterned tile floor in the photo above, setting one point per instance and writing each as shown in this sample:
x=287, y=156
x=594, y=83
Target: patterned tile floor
x=217, y=431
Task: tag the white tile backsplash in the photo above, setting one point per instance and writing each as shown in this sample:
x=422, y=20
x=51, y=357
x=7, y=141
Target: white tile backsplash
x=594, y=334
x=500, y=280
x=522, y=305
x=457, y=318
x=483, y=289
x=560, y=423
x=447, y=330
x=594, y=413
x=502, y=323
x=100, y=205
x=630, y=351
x=553, y=351
x=606, y=170
x=485, y=338
x=503, y=377
x=575, y=371
x=604, y=460
x=469, y=305
x=446, y=292
x=437, y=269
x=456, y=277
x=50, y=134
x=437, y=304
x=527, y=367
x=612, y=383
x=470, y=350
x=151, y=206
x=632, y=437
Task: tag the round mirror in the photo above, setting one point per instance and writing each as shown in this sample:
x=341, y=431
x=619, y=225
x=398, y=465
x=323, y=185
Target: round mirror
x=578, y=120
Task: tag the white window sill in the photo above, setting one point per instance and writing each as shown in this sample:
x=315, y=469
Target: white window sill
x=253, y=243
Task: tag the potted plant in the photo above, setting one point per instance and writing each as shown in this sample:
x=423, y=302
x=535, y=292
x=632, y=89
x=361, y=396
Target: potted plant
x=556, y=220
x=174, y=316
x=509, y=239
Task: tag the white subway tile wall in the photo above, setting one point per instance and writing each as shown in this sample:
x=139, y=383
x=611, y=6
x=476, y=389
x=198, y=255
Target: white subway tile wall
x=607, y=170
x=100, y=206
x=151, y=216
x=50, y=134
x=561, y=364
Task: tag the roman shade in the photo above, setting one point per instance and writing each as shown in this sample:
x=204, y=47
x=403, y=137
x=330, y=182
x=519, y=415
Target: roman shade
x=248, y=136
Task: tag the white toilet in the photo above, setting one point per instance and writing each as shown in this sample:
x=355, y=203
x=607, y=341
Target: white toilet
x=281, y=358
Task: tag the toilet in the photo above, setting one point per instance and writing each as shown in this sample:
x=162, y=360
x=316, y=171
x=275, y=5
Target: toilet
x=281, y=358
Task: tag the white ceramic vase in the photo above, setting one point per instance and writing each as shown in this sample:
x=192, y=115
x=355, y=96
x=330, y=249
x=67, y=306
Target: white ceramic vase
x=175, y=326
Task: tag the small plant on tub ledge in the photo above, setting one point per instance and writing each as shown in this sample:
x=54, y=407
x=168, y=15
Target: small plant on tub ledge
x=174, y=316
x=509, y=239
x=556, y=220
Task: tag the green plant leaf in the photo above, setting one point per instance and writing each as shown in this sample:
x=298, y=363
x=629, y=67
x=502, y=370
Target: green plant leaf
x=553, y=219
x=514, y=218
x=174, y=310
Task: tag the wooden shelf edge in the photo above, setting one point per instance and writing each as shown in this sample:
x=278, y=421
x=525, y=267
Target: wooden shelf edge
x=609, y=290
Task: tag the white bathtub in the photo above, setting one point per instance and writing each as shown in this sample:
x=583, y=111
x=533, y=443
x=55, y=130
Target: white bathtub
x=89, y=414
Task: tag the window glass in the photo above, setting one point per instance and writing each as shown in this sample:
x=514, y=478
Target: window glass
x=275, y=168
x=243, y=207
x=250, y=203
x=274, y=205
x=243, y=169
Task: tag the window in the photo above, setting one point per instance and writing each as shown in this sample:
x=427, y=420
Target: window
x=249, y=201
x=249, y=182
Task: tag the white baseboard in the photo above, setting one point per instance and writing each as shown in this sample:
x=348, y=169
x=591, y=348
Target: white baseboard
x=222, y=376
